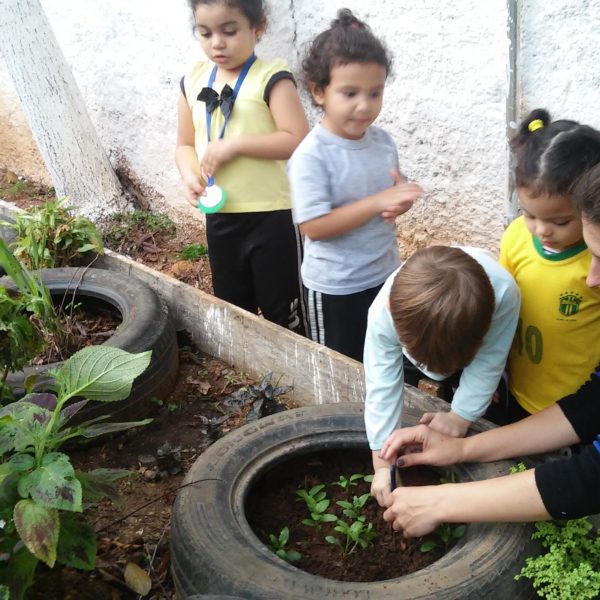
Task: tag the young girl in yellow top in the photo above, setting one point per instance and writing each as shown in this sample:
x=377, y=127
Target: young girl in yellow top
x=240, y=119
x=556, y=345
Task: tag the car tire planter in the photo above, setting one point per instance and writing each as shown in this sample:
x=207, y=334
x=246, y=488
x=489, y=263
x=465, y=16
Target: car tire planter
x=214, y=550
x=145, y=325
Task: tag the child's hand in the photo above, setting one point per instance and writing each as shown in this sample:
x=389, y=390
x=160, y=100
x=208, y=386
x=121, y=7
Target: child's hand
x=398, y=199
x=448, y=423
x=217, y=153
x=194, y=187
x=381, y=486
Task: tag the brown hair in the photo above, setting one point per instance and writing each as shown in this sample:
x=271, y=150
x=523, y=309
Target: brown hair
x=442, y=303
x=586, y=195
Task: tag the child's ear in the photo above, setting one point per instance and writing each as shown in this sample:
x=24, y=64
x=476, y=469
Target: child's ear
x=317, y=93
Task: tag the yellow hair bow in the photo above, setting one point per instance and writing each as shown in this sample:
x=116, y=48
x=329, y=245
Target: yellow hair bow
x=535, y=125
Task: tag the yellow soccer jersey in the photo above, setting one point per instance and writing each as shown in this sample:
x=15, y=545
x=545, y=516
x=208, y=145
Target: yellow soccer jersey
x=556, y=345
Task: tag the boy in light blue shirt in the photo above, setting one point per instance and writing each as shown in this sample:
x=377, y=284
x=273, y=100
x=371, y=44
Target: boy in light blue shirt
x=445, y=309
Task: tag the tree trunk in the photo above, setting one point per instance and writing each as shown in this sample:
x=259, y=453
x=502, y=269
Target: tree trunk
x=56, y=112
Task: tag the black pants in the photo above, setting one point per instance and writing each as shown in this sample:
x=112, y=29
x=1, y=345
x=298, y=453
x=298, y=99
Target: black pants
x=255, y=262
x=340, y=322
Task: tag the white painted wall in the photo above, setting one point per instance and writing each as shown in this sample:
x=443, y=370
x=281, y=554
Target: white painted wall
x=444, y=104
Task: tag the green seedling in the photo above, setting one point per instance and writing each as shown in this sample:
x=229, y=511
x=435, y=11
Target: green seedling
x=444, y=534
x=357, y=534
x=353, y=509
x=316, y=503
x=193, y=252
x=278, y=545
x=346, y=482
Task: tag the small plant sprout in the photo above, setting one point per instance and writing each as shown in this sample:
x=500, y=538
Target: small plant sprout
x=346, y=482
x=316, y=503
x=278, y=545
x=353, y=509
x=443, y=535
x=357, y=533
x=193, y=252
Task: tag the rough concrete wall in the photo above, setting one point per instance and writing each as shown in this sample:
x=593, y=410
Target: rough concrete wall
x=559, y=58
x=444, y=105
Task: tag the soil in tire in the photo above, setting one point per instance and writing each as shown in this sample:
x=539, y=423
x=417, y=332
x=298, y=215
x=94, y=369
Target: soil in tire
x=272, y=504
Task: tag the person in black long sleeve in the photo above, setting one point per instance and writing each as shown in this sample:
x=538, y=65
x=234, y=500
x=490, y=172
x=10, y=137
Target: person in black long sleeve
x=565, y=488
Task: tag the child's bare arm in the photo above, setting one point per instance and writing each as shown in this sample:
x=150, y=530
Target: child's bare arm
x=398, y=198
x=291, y=124
x=185, y=154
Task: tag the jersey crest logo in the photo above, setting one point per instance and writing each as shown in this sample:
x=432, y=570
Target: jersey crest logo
x=569, y=304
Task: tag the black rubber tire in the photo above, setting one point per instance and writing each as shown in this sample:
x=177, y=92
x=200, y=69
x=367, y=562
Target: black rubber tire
x=213, y=549
x=7, y=234
x=145, y=326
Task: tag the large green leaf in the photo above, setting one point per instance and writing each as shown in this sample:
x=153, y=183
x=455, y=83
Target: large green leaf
x=101, y=373
x=19, y=572
x=54, y=484
x=99, y=484
x=38, y=527
x=77, y=545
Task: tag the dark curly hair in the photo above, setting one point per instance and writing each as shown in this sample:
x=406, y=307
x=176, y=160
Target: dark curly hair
x=346, y=41
x=253, y=10
x=552, y=155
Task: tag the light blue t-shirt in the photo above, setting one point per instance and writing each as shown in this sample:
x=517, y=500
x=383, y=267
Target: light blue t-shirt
x=384, y=371
x=327, y=171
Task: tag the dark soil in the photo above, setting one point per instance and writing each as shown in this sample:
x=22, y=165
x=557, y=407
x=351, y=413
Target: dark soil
x=273, y=504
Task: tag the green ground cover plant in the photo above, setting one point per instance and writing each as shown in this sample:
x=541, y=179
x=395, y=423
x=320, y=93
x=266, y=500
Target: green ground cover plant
x=193, y=252
x=570, y=566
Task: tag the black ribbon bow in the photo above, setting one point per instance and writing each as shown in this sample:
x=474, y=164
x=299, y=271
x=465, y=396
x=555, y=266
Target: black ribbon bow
x=225, y=100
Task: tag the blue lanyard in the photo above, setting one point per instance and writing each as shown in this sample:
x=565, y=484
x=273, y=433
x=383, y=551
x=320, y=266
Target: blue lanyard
x=238, y=84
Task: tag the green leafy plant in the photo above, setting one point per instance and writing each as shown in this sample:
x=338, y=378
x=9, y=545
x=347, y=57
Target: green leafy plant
x=442, y=536
x=358, y=533
x=27, y=318
x=42, y=497
x=278, y=544
x=518, y=468
x=353, y=509
x=317, y=503
x=570, y=567
x=346, y=482
x=52, y=235
x=193, y=252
